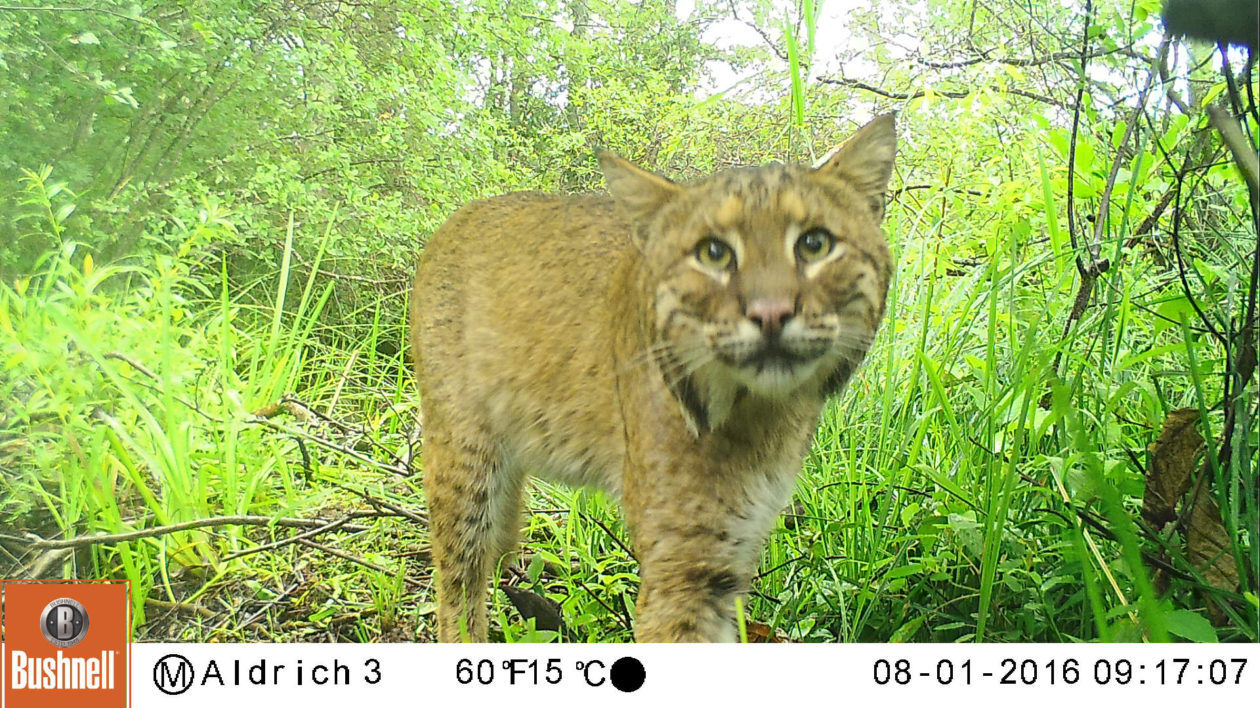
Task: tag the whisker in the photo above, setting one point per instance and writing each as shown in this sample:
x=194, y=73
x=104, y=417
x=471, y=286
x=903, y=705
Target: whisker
x=666, y=351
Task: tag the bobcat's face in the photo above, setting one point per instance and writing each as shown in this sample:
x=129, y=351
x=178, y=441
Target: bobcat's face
x=767, y=281
x=771, y=278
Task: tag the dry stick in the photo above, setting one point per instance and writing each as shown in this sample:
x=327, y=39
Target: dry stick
x=341, y=382
x=1016, y=61
x=390, y=506
x=1084, y=516
x=611, y=535
x=622, y=617
x=1089, y=272
x=902, y=96
x=345, y=556
x=1096, y=552
x=1169, y=91
x=285, y=592
x=292, y=403
x=133, y=363
x=46, y=560
x=413, y=439
x=99, y=413
x=331, y=526
x=1151, y=219
x=198, y=610
x=1181, y=174
x=259, y=420
x=1100, y=223
x=36, y=542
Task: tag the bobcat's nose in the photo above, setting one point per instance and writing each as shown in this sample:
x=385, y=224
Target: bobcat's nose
x=770, y=314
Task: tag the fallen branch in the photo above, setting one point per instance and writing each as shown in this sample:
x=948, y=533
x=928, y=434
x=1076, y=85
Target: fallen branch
x=345, y=556
x=328, y=444
x=378, y=503
x=330, y=526
x=198, y=610
x=36, y=543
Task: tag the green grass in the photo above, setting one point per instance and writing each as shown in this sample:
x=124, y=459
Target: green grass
x=962, y=490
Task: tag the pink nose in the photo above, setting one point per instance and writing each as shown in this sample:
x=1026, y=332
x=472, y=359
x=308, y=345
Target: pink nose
x=770, y=314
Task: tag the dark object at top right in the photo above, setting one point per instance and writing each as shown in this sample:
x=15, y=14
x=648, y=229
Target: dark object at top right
x=1235, y=22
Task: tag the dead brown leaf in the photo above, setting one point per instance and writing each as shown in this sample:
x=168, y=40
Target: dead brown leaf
x=1171, y=466
x=1208, y=542
x=544, y=610
x=1168, y=479
x=759, y=633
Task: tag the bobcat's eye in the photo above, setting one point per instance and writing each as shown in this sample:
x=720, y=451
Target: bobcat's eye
x=814, y=244
x=716, y=254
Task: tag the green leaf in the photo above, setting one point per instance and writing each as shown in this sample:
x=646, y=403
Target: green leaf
x=535, y=569
x=85, y=38
x=906, y=632
x=1217, y=89
x=1171, y=311
x=794, y=65
x=905, y=571
x=1190, y=625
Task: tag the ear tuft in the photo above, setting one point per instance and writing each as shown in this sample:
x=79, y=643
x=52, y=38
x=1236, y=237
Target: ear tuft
x=639, y=192
x=865, y=160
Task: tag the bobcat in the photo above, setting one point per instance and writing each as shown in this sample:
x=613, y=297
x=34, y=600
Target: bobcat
x=672, y=344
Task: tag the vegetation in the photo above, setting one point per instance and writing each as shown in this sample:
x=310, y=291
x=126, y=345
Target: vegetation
x=209, y=211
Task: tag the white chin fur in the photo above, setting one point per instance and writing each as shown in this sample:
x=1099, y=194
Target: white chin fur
x=774, y=381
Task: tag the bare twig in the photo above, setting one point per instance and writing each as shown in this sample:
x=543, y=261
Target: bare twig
x=330, y=526
x=35, y=542
x=198, y=610
x=296, y=406
x=622, y=617
x=616, y=539
x=1096, y=265
x=397, y=469
x=133, y=363
x=394, y=509
x=345, y=556
x=984, y=58
x=853, y=83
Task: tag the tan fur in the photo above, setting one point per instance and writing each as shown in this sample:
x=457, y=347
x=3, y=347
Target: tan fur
x=582, y=338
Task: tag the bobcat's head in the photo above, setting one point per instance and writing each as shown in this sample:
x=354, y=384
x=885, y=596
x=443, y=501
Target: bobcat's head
x=768, y=281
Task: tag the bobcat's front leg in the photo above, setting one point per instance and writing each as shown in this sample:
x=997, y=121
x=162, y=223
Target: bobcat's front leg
x=474, y=512
x=697, y=552
x=689, y=597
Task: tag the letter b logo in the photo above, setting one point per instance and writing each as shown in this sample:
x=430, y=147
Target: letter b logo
x=64, y=622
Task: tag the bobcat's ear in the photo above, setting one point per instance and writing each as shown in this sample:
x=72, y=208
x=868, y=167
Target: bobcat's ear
x=639, y=192
x=865, y=160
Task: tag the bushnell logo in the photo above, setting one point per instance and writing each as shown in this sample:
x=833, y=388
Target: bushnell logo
x=63, y=644
x=64, y=622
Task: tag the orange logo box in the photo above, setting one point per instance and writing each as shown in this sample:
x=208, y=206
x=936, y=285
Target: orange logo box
x=65, y=644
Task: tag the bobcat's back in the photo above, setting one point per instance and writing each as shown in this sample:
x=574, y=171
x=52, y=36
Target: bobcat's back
x=511, y=327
